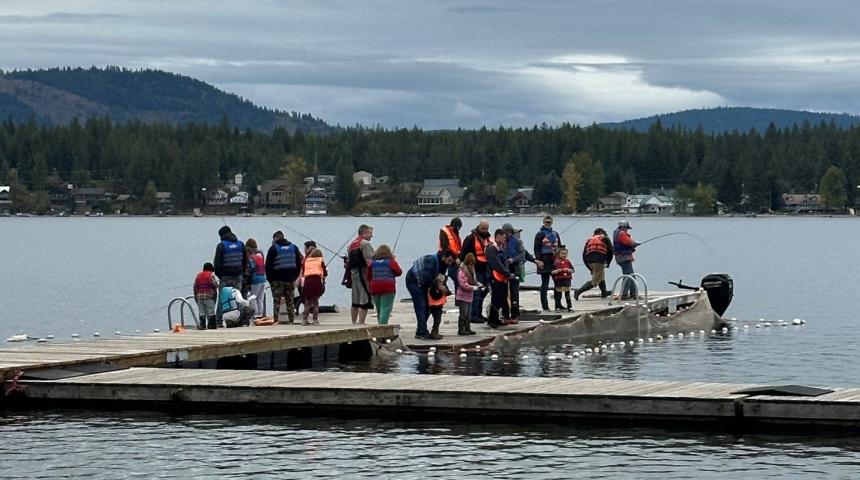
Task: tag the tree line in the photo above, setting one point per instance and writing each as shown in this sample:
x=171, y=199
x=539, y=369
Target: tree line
x=744, y=170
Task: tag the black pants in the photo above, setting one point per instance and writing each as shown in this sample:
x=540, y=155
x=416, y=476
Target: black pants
x=499, y=310
x=544, y=287
x=514, y=293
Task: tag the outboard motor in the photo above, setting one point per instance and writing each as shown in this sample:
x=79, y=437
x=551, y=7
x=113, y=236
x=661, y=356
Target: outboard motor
x=720, y=290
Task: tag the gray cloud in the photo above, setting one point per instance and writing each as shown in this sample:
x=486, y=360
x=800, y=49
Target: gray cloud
x=448, y=64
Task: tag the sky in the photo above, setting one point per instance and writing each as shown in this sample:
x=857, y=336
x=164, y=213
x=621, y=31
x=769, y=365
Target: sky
x=445, y=64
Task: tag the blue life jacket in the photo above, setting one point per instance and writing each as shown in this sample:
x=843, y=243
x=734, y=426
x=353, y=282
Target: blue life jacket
x=285, y=258
x=425, y=269
x=552, y=236
x=231, y=261
x=618, y=247
x=381, y=270
x=228, y=303
x=512, y=247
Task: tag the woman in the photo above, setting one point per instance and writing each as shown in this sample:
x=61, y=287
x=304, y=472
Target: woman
x=382, y=276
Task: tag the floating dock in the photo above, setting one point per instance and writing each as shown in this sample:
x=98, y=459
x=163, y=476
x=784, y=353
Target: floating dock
x=271, y=346
x=504, y=399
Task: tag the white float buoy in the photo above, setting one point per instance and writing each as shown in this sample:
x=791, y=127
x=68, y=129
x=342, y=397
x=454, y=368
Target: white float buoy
x=746, y=327
x=525, y=357
x=734, y=319
x=50, y=337
x=42, y=340
x=612, y=346
x=97, y=334
x=137, y=331
x=432, y=349
x=725, y=330
x=575, y=355
x=767, y=324
x=713, y=332
x=398, y=351
x=640, y=340
x=387, y=340
x=796, y=321
x=551, y=357
x=650, y=340
x=372, y=339
x=462, y=350
x=463, y=355
x=757, y=325
x=156, y=330
x=431, y=353
x=630, y=343
x=117, y=332
x=701, y=332
x=680, y=335
x=75, y=335
x=588, y=350
x=494, y=357
x=659, y=337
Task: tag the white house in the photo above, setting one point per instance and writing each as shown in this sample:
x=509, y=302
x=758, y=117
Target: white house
x=5, y=195
x=241, y=198
x=802, y=202
x=362, y=179
x=316, y=202
x=656, y=204
x=441, y=191
x=217, y=197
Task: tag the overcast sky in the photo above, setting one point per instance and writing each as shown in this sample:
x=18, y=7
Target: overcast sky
x=446, y=64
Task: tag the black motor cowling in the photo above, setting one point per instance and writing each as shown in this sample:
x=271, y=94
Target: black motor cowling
x=720, y=290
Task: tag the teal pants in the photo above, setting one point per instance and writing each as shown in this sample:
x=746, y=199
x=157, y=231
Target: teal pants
x=384, y=304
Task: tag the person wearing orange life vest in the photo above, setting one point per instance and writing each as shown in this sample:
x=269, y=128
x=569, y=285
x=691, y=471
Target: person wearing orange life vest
x=624, y=248
x=313, y=285
x=206, y=285
x=476, y=244
x=437, y=295
x=449, y=240
x=596, y=256
x=500, y=274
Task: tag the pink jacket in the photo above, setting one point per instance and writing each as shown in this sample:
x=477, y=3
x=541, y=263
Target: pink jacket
x=464, y=289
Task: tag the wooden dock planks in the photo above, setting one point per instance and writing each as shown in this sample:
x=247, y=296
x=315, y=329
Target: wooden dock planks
x=471, y=396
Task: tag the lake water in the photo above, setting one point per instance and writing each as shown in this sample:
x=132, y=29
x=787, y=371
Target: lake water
x=80, y=275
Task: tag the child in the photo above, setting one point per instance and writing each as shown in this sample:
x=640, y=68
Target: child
x=436, y=298
x=313, y=285
x=257, y=275
x=205, y=290
x=382, y=276
x=467, y=284
x=562, y=275
x=235, y=310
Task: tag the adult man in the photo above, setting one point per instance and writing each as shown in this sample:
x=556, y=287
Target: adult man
x=419, y=279
x=624, y=248
x=515, y=257
x=360, y=253
x=283, y=264
x=547, y=243
x=596, y=255
x=475, y=243
x=449, y=240
x=230, y=258
x=500, y=313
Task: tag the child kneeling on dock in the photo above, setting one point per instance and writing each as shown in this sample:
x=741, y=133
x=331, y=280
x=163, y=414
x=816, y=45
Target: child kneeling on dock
x=562, y=275
x=235, y=310
x=313, y=285
x=205, y=290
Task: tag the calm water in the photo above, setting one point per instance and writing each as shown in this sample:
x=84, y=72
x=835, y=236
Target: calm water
x=81, y=275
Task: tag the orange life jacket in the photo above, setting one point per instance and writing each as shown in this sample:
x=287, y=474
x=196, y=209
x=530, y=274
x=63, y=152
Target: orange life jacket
x=499, y=276
x=433, y=302
x=596, y=244
x=313, y=266
x=480, y=246
x=453, y=240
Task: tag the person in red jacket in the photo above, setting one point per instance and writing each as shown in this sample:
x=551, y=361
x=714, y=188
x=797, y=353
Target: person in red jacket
x=382, y=276
x=562, y=275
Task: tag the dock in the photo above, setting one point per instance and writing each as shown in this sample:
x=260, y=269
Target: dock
x=272, y=347
x=474, y=398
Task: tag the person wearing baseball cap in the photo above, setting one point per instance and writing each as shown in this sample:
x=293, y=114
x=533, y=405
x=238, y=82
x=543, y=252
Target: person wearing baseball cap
x=546, y=245
x=624, y=246
x=516, y=256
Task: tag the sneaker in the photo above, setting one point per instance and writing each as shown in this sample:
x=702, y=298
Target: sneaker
x=576, y=294
x=434, y=336
x=511, y=321
x=558, y=310
x=422, y=337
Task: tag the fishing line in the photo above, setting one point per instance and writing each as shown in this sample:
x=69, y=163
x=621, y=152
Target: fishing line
x=675, y=233
x=319, y=244
x=397, y=239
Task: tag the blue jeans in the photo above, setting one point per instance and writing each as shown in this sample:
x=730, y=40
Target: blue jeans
x=419, y=303
x=453, y=270
x=478, y=297
x=628, y=287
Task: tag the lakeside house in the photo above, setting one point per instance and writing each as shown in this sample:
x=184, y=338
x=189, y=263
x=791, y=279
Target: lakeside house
x=164, y=199
x=88, y=197
x=363, y=179
x=316, y=202
x=648, y=204
x=440, y=191
x=5, y=195
x=216, y=198
x=802, y=202
x=275, y=194
x=612, y=203
x=521, y=198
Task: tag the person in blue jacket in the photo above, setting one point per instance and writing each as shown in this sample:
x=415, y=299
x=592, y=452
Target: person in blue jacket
x=419, y=279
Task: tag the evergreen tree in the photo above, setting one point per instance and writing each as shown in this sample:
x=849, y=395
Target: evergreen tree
x=346, y=191
x=149, y=201
x=832, y=188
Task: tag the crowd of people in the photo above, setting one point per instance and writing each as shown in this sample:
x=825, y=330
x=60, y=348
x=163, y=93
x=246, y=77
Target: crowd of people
x=229, y=290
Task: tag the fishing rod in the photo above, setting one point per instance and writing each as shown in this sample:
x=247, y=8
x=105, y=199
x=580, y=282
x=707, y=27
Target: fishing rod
x=319, y=244
x=339, y=249
x=571, y=225
x=676, y=233
x=399, y=232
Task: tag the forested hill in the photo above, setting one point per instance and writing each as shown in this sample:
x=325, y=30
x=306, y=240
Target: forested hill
x=56, y=96
x=742, y=119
